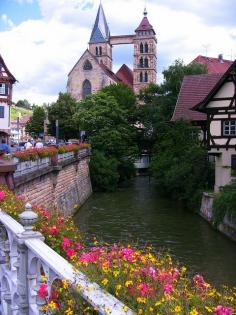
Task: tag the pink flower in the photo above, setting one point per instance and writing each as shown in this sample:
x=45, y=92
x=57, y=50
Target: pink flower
x=54, y=230
x=70, y=252
x=221, y=310
x=168, y=289
x=146, y=289
x=78, y=246
x=65, y=243
x=2, y=195
x=42, y=291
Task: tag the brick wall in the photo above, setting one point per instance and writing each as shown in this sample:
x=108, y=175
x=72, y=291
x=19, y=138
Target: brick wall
x=65, y=188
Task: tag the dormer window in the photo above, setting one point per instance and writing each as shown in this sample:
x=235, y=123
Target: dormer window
x=229, y=128
x=3, y=89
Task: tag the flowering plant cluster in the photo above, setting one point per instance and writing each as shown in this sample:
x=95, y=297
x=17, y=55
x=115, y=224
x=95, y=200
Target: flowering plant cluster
x=148, y=282
x=34, y=154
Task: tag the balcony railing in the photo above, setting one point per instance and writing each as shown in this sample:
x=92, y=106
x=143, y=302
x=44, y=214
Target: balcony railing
x=25, y=258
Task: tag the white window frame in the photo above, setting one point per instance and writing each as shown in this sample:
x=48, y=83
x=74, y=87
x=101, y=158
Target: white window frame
x=2, y=88
x=229, y=127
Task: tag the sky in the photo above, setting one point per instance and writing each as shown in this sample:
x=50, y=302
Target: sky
x=41, y=40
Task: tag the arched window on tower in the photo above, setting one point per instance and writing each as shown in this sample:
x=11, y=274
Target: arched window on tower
x=88, y=65
x=141, y=62
x=100, y=50
x=96, y=51
x=87, y=88
x=146, y=48
x=146, y=77
x=146, y=63
x=141, y=48
x=141, y=77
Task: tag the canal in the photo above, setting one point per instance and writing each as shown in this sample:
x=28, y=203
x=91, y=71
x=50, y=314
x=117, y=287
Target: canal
x=136, y=213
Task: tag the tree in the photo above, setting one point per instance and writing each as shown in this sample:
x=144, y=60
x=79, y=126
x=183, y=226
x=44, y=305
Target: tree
x=160, y=101
x=35, y=126
x=180, y=164
x=23, y=104
x=63, y=110
x=108, y=129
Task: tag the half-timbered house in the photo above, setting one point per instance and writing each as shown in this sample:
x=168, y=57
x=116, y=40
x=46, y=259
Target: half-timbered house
x=219, y=105
x=6, y=82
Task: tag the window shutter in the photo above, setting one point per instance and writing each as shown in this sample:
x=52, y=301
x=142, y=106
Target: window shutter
x=1, y=111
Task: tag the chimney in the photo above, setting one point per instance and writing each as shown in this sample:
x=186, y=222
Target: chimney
x=220, y=57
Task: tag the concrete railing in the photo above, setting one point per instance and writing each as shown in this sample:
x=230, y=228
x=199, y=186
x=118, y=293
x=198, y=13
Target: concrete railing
x=25, y=258
x=26, y=167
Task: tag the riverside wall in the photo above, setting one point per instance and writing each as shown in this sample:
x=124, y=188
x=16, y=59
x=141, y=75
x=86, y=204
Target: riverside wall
x=227, y=227
x=63, y=187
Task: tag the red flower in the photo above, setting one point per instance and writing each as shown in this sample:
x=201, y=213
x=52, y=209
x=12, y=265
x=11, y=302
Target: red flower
x=54, y=230
x=42, y=291
x=2, y=195
x=70, y=252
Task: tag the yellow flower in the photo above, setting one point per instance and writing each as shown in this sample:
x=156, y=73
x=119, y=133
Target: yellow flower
x=178, y=309
x=209, y=309
x=142, y=300
x=52, y=305
x=128, y=283
x=105, y=281
x=64, y=284
x=125, y=308
x=69, y=311
x=194, y=312
x=44, y=278
x=118, y=287
x=116, y=273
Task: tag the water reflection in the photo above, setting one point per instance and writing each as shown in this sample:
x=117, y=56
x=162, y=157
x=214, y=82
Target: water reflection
x=137, y=213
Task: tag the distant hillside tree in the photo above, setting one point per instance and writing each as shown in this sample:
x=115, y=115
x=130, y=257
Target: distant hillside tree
x=35, y=126
x=23, y=104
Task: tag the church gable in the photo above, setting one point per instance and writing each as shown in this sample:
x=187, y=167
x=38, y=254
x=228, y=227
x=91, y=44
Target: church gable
x=88, y=76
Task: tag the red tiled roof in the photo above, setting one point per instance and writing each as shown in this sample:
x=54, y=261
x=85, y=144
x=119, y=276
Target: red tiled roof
x=214, y=65
x=193, y=90
x=125, y=74
x=144, y=25
x=109, y=72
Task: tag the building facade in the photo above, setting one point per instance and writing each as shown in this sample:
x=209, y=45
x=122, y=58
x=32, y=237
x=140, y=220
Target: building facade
x=93, y=71
x=219, y=105
x=6, y=82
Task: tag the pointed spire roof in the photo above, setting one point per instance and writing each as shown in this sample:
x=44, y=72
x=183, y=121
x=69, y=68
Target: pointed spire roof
x=100, y=32
x=145, y=25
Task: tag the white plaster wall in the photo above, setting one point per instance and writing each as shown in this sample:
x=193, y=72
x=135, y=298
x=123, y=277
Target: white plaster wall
x=4, y=122
x=223, y=168
x=227, y=90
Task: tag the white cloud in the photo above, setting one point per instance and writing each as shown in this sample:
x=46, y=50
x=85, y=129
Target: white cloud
x=40, y=53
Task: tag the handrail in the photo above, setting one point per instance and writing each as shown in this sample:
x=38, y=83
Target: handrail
x=18, y=276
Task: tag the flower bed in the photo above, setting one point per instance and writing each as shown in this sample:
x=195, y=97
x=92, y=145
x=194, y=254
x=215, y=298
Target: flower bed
x=147, y=282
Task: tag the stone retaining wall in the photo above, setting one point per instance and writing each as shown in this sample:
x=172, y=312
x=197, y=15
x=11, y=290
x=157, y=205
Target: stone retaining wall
x=64, y=187
x=227, y=227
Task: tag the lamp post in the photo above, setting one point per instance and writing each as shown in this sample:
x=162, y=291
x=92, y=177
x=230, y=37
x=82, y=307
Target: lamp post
x=57, y=131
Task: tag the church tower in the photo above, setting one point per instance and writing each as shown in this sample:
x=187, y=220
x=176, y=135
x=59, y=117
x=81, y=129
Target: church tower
x=145, y=43
x=99, y=44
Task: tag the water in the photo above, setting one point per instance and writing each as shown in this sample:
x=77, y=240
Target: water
x=137, y=213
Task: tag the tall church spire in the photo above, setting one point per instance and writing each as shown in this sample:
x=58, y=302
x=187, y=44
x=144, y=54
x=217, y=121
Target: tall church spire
x=100, y=32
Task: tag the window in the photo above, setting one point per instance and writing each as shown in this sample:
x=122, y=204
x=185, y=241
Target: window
x=141, y=77
x=1, y=111
x=141, y=48
x=146, y=77
x=87, y=65
x=96, y=51
x=146, y=62
x=229, y=128
x=2, y=88
x=233, y=162
x=146, y=48
x=100, y=51
x=87, y=88
x=141, y=62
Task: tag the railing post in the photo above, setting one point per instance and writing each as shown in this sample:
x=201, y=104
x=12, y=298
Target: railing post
x=28, y=218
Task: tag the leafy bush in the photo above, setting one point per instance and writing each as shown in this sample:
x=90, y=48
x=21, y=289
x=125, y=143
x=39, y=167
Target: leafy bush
x=224, y=203
x=103, y=171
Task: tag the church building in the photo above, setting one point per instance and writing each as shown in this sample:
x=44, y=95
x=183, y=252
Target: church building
x=93, y=71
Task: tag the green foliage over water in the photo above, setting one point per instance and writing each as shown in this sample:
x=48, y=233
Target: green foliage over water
x=224, y=203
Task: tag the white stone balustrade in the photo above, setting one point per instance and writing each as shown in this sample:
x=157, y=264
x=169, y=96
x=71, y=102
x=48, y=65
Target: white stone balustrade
x=24, y=258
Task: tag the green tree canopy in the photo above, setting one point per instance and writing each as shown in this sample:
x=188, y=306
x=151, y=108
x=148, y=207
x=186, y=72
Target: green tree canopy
x=23, y=104
x=35, y=126
x=108, y=129
x=63, y=110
